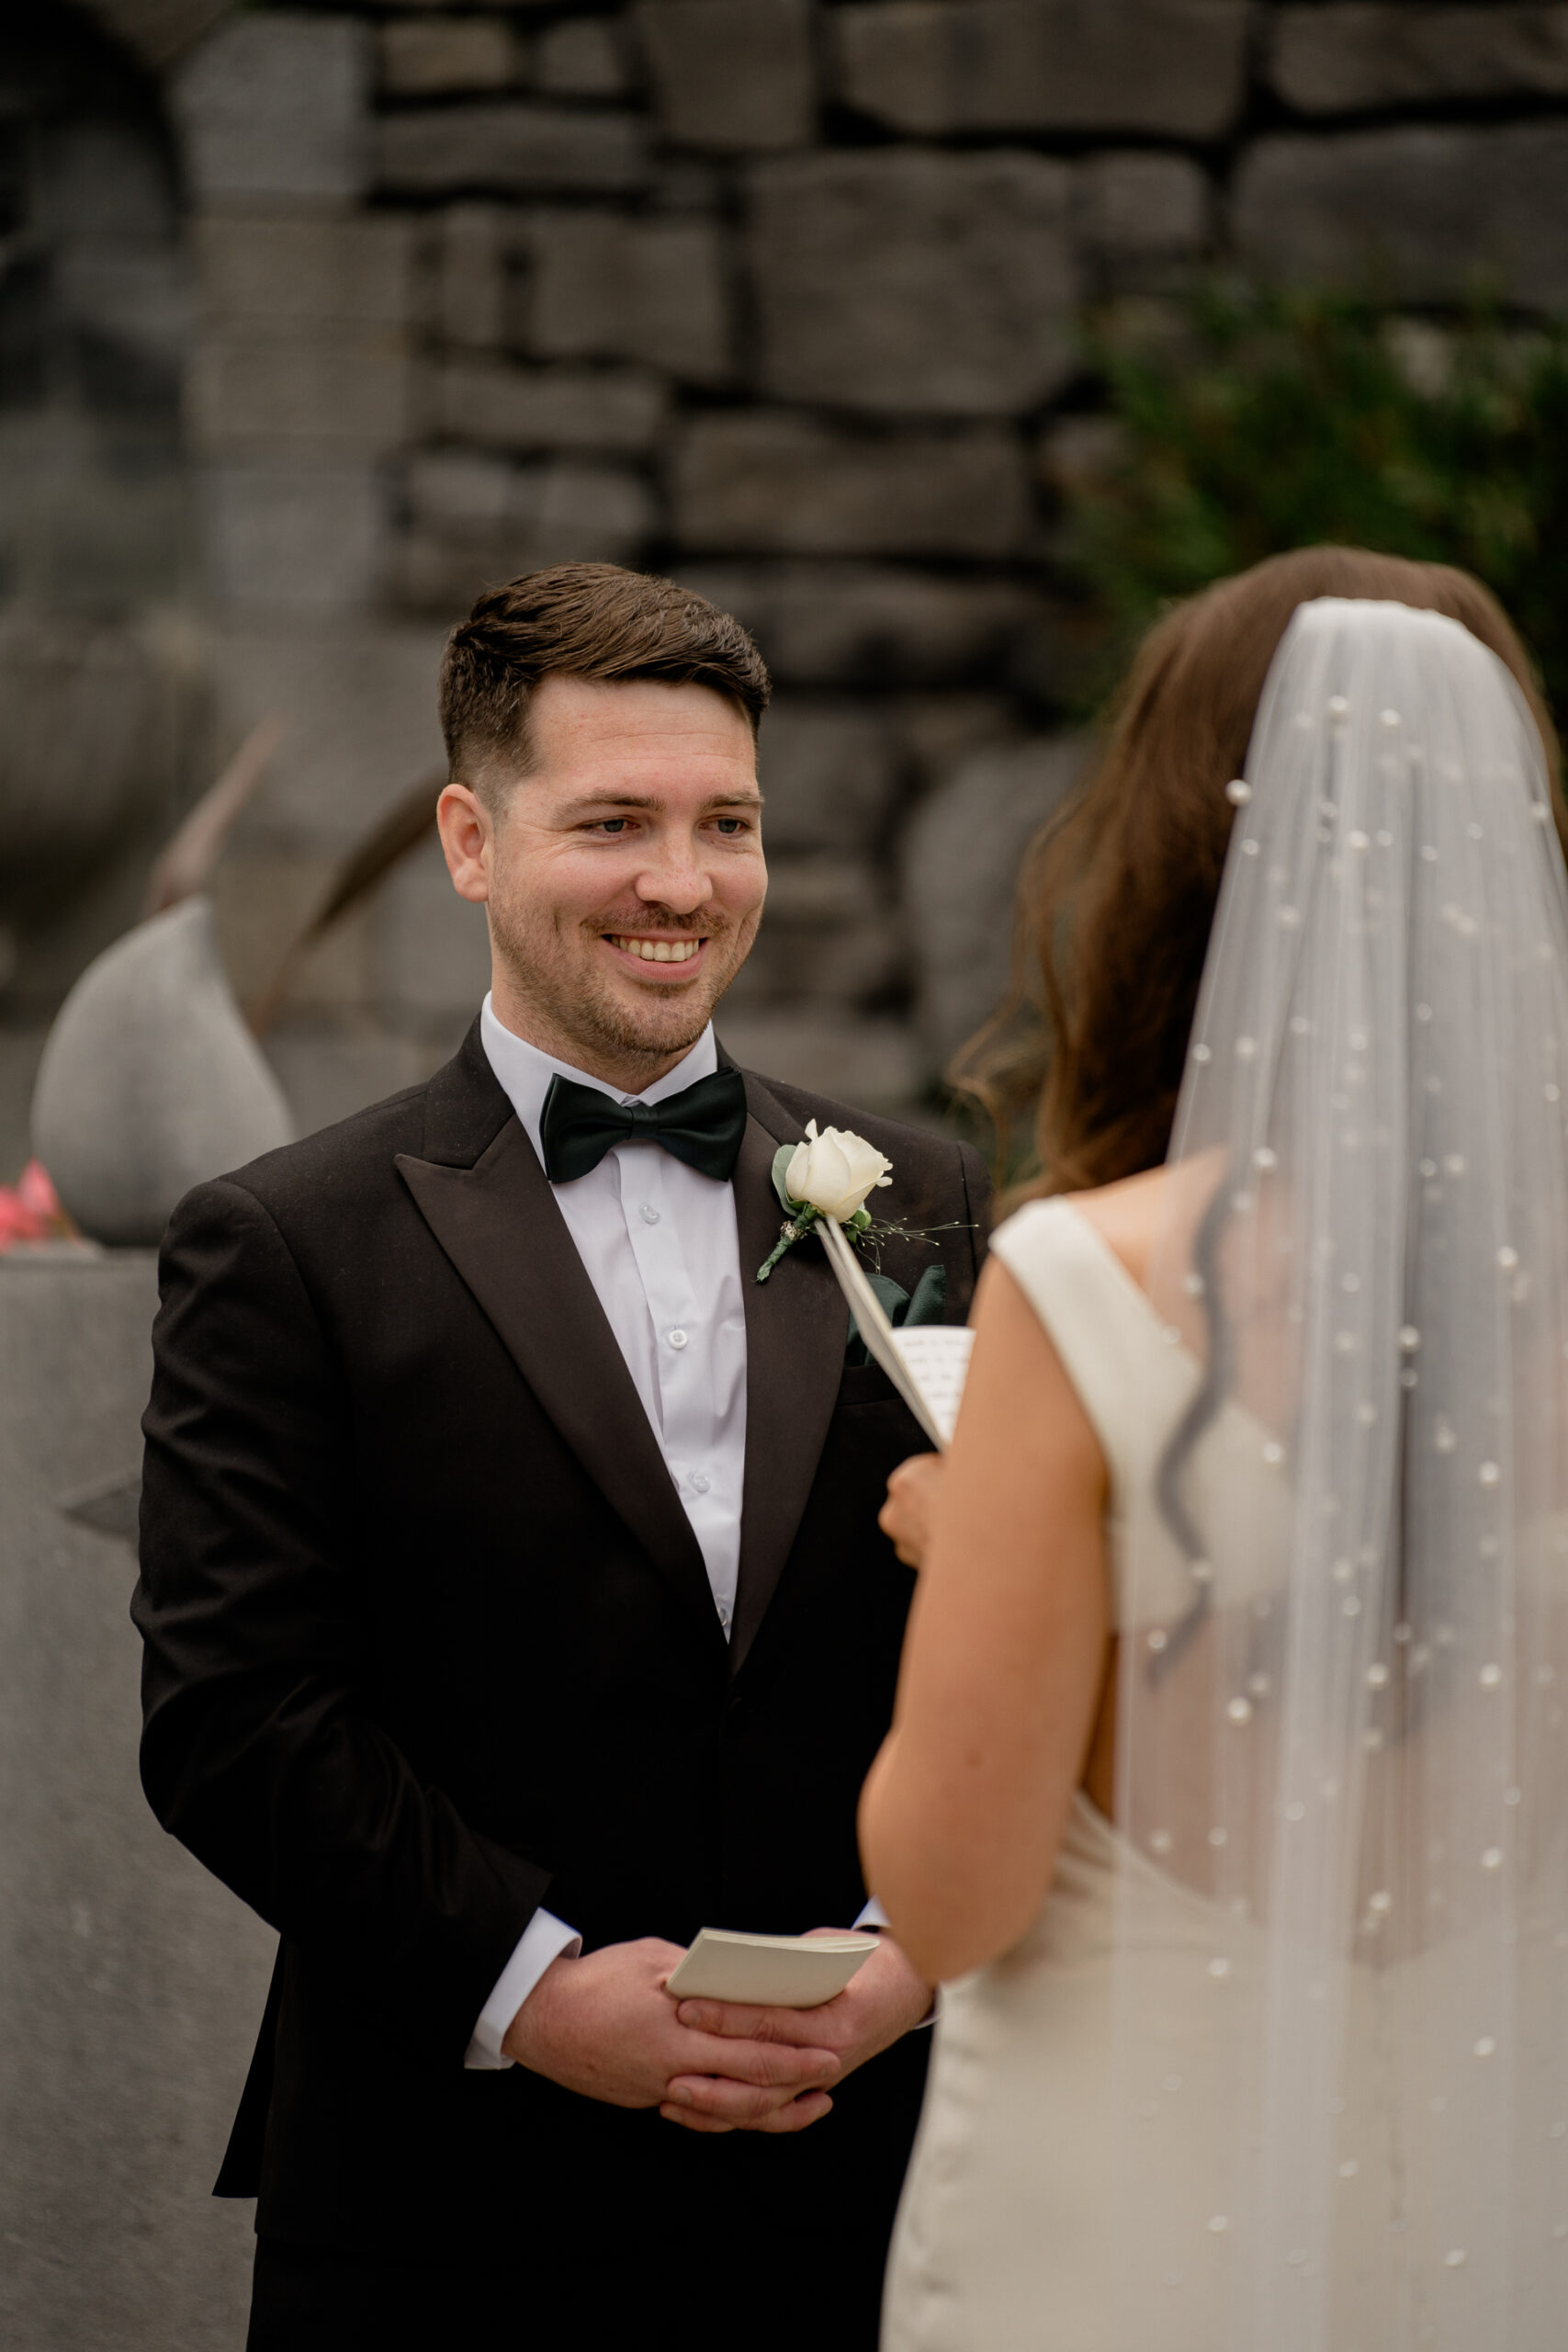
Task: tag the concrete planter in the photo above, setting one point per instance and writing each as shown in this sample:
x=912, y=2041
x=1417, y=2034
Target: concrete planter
x=130, y=1982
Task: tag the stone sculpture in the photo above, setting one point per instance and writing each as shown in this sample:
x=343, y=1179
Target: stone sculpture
x=151, y=1082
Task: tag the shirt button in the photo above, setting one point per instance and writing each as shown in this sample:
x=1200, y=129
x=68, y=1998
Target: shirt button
x=649, y=1213
x=677, y=1338
x=701, y=1482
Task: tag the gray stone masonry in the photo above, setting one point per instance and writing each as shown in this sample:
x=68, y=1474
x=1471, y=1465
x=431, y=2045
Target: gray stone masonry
x=463, y=494
x=961, y=864
x=431, y=57
x=733, y=76
x=499, y=406
x=606, y=286
x=519, y=147
x=131, y=1983
x=1349, y=56
x=582, y=57
x=557, y=512
x=872, y=1061
x=282, y=537
x=301, y=381
x=98, y=710
x=324, y=391
x=468, y=309
x=274, y=105
x=910, y=280
x=1420, y=214
x=829, y=770
x=930, y=67
x=936, y=731
x=781, y=481
x=830, y=939
x=862, y=624
x=293, y=270
x=1142, y=220
x=431, y=949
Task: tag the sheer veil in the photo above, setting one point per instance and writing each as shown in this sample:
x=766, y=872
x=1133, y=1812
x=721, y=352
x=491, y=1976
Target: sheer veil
x=1342, y=1769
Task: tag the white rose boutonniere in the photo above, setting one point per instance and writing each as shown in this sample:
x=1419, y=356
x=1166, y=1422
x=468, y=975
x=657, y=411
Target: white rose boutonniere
x=835, y=1172
x=830, y=1175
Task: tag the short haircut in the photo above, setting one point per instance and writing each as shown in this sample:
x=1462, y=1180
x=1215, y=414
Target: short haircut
x=580, y=621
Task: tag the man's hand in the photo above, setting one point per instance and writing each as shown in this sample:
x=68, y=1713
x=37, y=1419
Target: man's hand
x=882, y=2000
x=604, y=2025
x=905, y=1516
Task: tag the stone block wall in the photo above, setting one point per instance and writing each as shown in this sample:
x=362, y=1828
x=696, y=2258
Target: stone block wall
x=783, y=297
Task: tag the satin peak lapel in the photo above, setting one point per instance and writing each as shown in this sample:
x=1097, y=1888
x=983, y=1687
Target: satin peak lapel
x=499, y=1223
x=796, y=1329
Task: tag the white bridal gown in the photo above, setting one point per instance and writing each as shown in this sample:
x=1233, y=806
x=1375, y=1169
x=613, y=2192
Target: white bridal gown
x=1015, y=2208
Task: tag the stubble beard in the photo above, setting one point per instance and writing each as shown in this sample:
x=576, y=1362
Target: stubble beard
x=579, y=1003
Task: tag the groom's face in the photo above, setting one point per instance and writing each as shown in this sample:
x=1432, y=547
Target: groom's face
x=622, y=874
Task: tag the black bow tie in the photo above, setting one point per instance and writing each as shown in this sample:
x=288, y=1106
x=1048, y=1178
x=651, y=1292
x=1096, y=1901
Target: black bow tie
x=702, y=1125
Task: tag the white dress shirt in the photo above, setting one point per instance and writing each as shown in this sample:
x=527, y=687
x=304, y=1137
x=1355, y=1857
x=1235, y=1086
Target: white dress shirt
x=658, y=1243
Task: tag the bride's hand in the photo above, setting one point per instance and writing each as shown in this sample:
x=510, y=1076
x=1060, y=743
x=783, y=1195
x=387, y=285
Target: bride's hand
x=905, y=1516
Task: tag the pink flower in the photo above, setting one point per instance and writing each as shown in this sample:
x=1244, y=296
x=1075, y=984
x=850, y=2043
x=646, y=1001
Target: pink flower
x=30, y=1209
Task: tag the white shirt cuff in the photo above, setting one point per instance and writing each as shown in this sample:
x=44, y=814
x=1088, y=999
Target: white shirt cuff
x=542, y=1939
x=872, y=1914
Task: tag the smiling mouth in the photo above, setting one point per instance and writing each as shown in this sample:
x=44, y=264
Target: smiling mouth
x=665, y=950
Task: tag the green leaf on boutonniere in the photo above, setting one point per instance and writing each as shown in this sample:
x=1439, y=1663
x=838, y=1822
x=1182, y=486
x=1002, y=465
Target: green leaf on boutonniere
x=781, y=1159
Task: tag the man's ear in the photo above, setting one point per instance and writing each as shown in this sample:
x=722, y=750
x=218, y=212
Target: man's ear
x=468, y=831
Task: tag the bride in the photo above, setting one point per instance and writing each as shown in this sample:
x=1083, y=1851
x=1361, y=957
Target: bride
x=1227, y=1791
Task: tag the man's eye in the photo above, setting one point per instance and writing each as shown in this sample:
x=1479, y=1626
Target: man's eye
x=611, y=824
x=731, y=824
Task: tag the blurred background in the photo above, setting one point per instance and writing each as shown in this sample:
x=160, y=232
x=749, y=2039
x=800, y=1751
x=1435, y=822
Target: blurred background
x=944, y=341
x=939, y=339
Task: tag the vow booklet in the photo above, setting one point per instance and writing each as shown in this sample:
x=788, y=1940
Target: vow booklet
x=936, y=1358
x=927, y=1365
x=770, y=1972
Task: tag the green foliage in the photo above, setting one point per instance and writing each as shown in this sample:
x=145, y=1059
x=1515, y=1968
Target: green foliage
x=1272, y=421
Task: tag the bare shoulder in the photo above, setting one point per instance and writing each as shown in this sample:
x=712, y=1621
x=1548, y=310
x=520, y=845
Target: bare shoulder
x=1127, y=1217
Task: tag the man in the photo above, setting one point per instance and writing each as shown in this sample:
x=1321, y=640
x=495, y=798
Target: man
x=511, y=1592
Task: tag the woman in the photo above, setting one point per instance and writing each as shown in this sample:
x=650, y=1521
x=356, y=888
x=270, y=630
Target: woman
x=1253, y=1540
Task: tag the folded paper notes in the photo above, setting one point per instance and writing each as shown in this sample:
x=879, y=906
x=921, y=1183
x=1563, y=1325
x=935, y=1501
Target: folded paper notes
x=926, y=1362
x=935, y=1359
x=769, y=1972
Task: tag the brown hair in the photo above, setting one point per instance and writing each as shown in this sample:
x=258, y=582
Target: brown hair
x=1118, y=893
x=586, y=620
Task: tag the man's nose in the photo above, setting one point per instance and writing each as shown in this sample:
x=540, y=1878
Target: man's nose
x=676, y=879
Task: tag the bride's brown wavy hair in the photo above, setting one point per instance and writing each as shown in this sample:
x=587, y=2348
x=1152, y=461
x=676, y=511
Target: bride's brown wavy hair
x=1118, y=891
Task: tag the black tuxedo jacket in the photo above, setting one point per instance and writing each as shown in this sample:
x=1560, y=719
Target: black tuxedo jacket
x=429, y=1642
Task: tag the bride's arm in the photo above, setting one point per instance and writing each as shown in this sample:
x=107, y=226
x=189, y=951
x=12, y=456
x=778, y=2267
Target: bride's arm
x=964, y=1807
